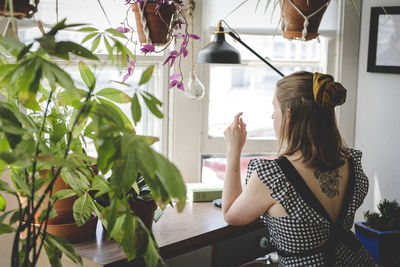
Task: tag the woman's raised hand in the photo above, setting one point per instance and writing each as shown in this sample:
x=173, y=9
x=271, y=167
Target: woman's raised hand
x=235, y=134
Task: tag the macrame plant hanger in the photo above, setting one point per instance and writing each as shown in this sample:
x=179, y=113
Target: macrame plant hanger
x=306, y=18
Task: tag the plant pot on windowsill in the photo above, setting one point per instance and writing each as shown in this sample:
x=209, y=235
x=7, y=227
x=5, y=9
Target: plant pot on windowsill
x=293, y=25
x=383, y=246
x=22, y=8
x=158, y=24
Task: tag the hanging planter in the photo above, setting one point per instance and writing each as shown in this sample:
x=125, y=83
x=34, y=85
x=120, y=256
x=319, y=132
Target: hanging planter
x=153, y=26
x=301, y=19
x=22, y=8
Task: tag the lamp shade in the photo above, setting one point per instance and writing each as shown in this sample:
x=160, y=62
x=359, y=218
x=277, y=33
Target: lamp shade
x=219, y=51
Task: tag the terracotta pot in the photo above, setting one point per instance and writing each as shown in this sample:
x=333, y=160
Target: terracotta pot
x=144, y=209
x=158, y=24
x=63, y=207
x=293, y=22
x=22, y=9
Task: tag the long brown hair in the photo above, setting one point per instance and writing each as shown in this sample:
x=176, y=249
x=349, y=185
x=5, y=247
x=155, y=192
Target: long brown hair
x=306, y=126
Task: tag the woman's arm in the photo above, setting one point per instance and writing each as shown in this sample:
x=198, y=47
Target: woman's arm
x=239, y=207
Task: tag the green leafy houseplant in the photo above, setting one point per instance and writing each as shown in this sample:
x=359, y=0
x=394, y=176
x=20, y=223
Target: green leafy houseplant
x=45, y=125
x=388, y=218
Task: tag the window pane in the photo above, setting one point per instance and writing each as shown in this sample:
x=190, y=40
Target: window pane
x=249, y=88
x=213, y=167
x=149, y=124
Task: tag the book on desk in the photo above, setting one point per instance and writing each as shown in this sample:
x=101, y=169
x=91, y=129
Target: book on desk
x=201, y=192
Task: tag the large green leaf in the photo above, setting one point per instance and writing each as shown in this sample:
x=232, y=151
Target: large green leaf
x=95, y=43
x=110, y=49
x=106, y=153
x=74, y=48
x=5, y=228
x=136, y=109
x=87, y=75
x=151, y=256
x=53, y=254
x=8, y=117
x=2, y=203
x=116, y=33
x=61, y=194
x=146, y=75
x=20, y=183
x=89, y=36
x=152, y=104
x=82, y=209
x=12, y=45
x=112, y=217
x=16, y=157
x=146, y=157
x=172, y=180
x=114, y=114
x=6, y=188
x=114, y=95
x=74, y=179
x=87, y=29
x=124, y=172
x=55, y=74
x=64, y=246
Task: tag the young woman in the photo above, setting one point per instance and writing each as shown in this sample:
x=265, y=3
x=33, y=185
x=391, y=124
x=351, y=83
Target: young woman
x=307, y=197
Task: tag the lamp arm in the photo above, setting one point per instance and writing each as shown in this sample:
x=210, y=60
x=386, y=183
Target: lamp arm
x=237, y=38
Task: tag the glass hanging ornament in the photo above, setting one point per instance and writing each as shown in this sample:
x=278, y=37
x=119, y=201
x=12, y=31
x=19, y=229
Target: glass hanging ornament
x=195, y=89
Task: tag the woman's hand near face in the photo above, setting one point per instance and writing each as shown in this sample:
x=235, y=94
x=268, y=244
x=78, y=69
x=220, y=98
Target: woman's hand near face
x=235, y=134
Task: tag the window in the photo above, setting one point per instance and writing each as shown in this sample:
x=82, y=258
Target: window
x=250, y=88
x=105, y=72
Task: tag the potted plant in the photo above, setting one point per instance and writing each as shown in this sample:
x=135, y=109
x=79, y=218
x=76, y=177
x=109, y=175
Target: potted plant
x=162, y=22
x=18, y=8
x=45, y=124
x=380, y=233
x=299, y=19
x=140, y=201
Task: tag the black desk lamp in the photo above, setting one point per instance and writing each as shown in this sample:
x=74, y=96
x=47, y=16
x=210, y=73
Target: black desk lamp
x=219, y=51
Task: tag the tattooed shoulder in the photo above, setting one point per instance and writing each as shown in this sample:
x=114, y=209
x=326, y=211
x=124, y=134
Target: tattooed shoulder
x=329, y=182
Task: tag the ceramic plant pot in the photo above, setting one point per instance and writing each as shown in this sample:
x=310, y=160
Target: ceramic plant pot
x=293, y=21
x=22, y=9
x=63, y=207
x=158, y=24
x=383, y=246
x=144, y=209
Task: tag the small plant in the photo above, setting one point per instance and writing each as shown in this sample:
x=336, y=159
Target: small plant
x=388, y=219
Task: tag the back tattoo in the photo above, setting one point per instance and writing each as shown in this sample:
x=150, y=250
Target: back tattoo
x=328, y=181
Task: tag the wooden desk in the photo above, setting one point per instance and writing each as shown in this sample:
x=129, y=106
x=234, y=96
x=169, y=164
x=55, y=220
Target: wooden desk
x=198, y=225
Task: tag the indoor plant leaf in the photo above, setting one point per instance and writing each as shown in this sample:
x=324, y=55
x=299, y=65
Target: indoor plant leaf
x=114, y=95
x=136, y=109
x=87, y=75
x=146, y=75
x=64, y=246
x=171, y=179
x=116, y=33
x=82, y=209
x=2, y=203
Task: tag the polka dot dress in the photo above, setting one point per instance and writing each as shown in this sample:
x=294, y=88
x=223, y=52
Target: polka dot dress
x=307, y=225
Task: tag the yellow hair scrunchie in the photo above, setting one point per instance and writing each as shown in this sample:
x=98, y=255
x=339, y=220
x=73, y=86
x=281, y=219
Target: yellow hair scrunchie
x=327, y=93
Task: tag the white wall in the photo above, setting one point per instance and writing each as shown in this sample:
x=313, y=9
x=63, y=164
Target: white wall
x=377, y=122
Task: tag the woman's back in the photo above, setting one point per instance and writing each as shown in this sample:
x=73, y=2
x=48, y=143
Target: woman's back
x=328, y=187
x=316, y=230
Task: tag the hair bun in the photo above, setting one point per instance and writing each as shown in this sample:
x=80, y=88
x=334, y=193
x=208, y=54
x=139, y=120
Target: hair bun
x=327, y=93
